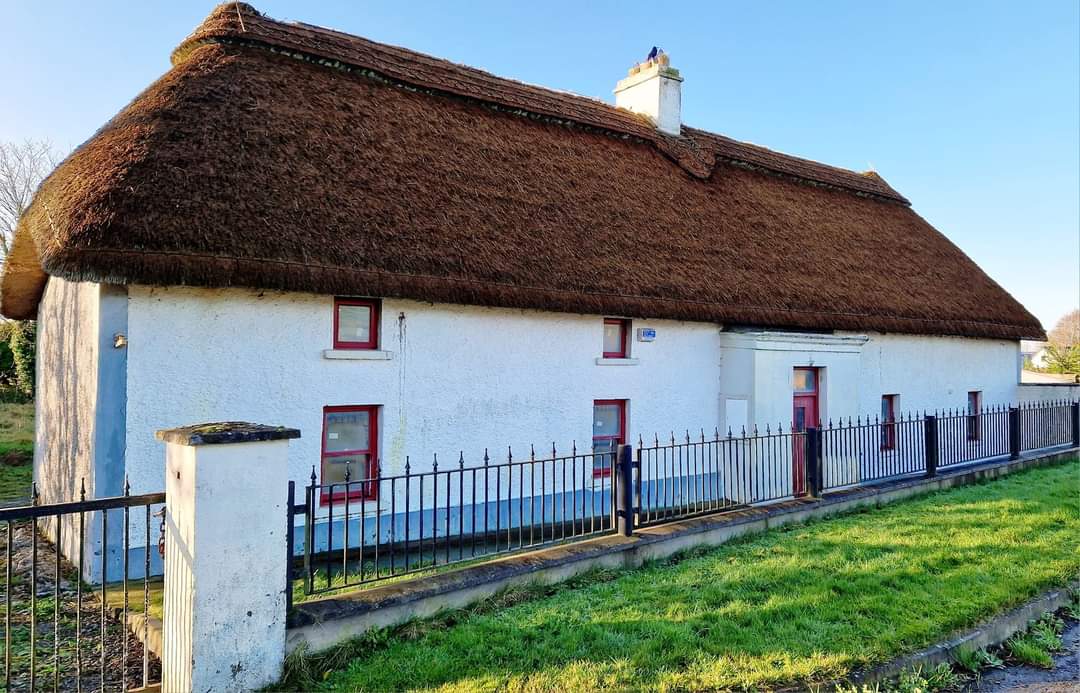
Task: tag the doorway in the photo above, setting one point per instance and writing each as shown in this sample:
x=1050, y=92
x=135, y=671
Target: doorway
x=804, y=414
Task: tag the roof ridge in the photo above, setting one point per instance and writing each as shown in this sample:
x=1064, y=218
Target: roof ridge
x=697, y=151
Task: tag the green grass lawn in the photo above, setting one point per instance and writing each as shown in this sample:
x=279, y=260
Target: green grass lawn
x=16, y=450
x=155, y=590
x=790, y=607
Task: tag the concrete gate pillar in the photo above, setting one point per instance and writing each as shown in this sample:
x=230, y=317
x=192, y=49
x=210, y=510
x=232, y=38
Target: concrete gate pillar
x=225, y=556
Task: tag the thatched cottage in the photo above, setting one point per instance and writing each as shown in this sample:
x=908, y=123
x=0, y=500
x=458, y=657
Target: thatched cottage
x=399, y=256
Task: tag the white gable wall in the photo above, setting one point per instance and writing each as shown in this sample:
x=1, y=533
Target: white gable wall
x=79, y=405
x=67, y=348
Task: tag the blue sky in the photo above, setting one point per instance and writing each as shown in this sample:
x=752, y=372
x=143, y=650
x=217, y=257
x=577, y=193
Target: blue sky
x=970, y=109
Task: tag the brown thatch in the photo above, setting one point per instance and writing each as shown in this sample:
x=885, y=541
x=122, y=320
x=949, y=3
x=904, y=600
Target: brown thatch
x=284, y=156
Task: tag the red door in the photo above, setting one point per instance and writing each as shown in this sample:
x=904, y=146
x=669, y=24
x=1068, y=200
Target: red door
x=804, y=414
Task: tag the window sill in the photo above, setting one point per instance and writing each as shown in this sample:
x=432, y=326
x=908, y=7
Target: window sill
x=601, y=361
x=357, y=354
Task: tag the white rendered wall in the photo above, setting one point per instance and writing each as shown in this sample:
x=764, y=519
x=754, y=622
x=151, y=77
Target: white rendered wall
x=927, y=372
x=64, y=403
x=80, y=409
x=459, y=378
x=937, y=372
x=67, y=340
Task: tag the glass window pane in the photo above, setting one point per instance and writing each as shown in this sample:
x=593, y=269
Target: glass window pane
x=613, y=338
x=334, y=469
x=354, y=323
x=347, y=430
x=805, y=380
x=800, y=418
x=604, y=454
x=606, y=420
x=888, y=407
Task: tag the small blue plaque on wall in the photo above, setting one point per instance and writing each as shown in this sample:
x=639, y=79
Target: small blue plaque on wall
x=646, y=334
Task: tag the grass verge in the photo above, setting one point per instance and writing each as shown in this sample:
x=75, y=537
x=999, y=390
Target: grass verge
x=793, y=607
x=16, y=450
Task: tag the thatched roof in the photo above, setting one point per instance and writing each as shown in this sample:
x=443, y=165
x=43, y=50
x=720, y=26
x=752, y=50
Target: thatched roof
x=286, y=156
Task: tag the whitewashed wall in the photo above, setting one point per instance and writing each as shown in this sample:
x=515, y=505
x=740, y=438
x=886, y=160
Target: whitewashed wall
x=458, y=378
x=64, y=405
x=937, y=372
x=65, y=400
x=857, y=369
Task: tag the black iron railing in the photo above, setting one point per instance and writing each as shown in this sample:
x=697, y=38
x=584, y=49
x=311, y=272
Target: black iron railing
x=702, y=474
x=966, y=437
x=862, y=450
x=69, y=625
x=367, y=530
x=359, y=531
x=1046, y=425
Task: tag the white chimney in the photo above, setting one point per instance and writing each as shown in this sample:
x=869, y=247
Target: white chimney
x=654, y=89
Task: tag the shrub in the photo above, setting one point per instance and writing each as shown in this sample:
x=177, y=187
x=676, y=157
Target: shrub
x=22, y=343
x=7, y=360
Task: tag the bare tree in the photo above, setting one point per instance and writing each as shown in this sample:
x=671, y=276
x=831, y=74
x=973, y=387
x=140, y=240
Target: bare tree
x=1066, y=333
x=22, y=167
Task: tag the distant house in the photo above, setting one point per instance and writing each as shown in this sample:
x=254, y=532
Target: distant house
x=1033, y=352
x=402, y=256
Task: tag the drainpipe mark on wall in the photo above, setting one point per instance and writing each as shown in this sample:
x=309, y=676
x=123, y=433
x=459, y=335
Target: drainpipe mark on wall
x=397, y=444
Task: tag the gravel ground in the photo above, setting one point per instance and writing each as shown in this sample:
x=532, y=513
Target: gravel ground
x=117, y=641
x=1065, y=676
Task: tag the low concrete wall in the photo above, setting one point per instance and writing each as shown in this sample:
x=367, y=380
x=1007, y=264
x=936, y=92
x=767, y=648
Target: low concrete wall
x=1046, y=392
x=321, y=623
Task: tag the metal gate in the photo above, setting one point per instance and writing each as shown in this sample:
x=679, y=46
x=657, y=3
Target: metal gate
x=82, y=593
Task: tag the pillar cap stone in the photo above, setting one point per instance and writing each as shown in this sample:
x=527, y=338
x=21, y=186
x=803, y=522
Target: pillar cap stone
x=225, y=432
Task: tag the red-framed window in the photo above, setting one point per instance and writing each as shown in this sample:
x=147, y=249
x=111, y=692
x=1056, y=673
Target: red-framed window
x=974, y=420
x=356, y=323
x=616, y=338
x=350, y=441
x=888, y=421
x=609, y=432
